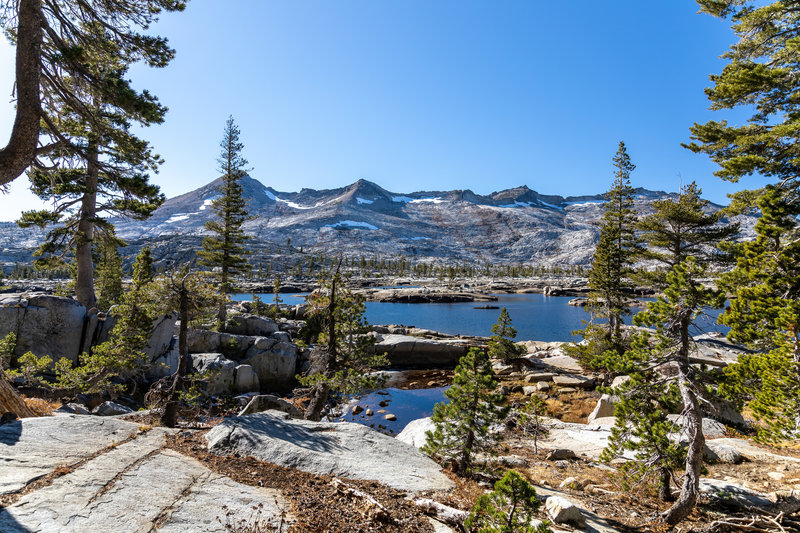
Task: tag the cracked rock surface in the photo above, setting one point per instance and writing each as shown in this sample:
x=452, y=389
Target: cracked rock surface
x=135, y=486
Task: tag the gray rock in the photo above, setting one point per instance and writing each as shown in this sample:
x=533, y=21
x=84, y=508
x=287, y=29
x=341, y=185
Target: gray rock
x=245, y=379
x=110, y=408
x=33, y=447
x=267, y=402
x=44, y=324
x=77, y=408
x=220, y=371
x=161, y=336
x=563, y=362
x=282, y=336
x=122, y=488
x=276, y=367
x=414, y=432
x=619, y=380
x=202, y=341
x=165, y=364
x=340, y=449
x=405, y=351
x=560, y=454
x=251, y=325
x=502, y=369
x=722, y=453
x=529, y=390
x=262, y=344
x=537, y=377
x=711, y=428
x=732, y=495
x=571, y=483
x=562, y=511
x=604, y=408
x=572, y=380
x=543, y=386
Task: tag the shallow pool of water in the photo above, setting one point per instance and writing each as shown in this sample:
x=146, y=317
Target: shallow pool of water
x=406, y=405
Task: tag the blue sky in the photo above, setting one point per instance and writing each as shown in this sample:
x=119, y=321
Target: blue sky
x=432, y=94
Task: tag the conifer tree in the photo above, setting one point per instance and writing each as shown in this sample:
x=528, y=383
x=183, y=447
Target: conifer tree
x=509, y=508
x=461, y=427
x=99, y=169
x=56, y=42
x=682, y=237
x=344, y=361
x=765, y=314
x=501, y=344
x=225, y=248
x=612, y=266
x=109, y=274
x=761, y=78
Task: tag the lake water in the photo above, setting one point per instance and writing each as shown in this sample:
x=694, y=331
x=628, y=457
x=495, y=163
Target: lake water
x=406, y=405
x=535, y=316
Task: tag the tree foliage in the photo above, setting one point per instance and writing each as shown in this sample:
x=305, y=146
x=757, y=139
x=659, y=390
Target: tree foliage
x=69, y=53
x=501, y=343
x=461, y=426
x=509, y=508
x=765, y=314
x=760, y=76
x=224, y=249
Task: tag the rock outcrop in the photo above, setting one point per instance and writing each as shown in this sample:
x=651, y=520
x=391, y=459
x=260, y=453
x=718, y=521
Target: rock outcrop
x=405, y=351
x=340, y=449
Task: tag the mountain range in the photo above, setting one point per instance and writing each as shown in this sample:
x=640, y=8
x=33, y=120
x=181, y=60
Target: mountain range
x=515, y=225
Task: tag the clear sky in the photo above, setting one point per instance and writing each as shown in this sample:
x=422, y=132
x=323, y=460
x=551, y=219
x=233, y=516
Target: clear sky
x=431, y=94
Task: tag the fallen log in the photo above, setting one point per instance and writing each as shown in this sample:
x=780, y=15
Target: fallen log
x=372, y=508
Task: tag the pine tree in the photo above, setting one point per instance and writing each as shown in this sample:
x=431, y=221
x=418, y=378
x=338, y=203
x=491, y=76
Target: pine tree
x=760, y=76
x=501, y=344
x=99, y=169
x=765, y=314
x=510, y=508
x=461, y=427
x=56, y=43
x=225, y=249
x=343, y=362
x=612, y=267
x=683, y=237
x=109, y=274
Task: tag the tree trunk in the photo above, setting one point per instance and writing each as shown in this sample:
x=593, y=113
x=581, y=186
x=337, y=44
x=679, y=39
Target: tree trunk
x=664, y=488
x=10, y=400
x=222, y=313
x=84, y=285
x=319, y=397
x=694, y=456
x=21, y=148
x=169, y=417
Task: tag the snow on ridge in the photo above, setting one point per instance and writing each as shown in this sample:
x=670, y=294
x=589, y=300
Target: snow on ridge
x=292, y=204
x=363, y=200
x=207, y=203
x=269, y=195
x=516, y=204
x=427, y=200
x=350, y=224
x=178, y=217
x=550, y=205
x=585, y=202
x=402, y=199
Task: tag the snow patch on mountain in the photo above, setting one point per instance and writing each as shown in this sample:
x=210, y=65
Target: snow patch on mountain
x=350, y=224
x=178, y=217
x=364, y=200
x=427, y=200
x=207, y=203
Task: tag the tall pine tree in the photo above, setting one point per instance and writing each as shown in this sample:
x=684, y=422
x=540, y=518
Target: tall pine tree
x=612, y=266
x=99, y=168
x=682, y=237
x=225, y=248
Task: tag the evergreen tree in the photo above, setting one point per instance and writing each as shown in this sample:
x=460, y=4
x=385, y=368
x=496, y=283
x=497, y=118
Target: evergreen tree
x=343, y=362
x=57, y=41
x=760, y=76
x=501, y=344
x=612, y=267
x=99, y=168
x=765, y=314
x=109, y=274
x=461, y=427
x=682, y=237
x=509, y=508
x=225, y=249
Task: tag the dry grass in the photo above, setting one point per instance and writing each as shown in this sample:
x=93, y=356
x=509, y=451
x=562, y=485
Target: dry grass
x=41, y=406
